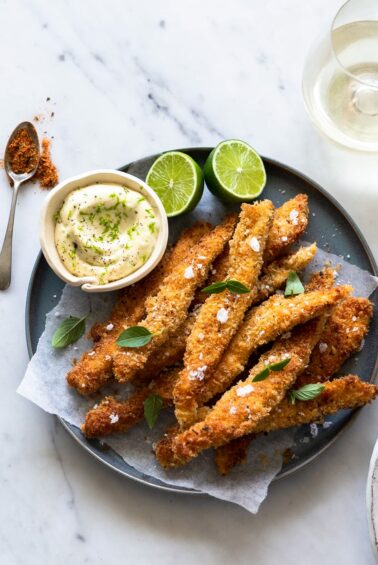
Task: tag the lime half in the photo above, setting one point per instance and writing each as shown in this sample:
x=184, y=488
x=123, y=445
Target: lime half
x=178, y=181
x=235, y=172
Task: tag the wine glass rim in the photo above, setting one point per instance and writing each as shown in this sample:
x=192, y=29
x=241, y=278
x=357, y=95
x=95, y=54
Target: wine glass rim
x=344, y=69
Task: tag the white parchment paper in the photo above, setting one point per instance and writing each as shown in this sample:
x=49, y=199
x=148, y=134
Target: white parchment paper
x=45, y=385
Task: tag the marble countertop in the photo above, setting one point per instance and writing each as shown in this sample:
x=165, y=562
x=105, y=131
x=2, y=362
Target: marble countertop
x=125, y=79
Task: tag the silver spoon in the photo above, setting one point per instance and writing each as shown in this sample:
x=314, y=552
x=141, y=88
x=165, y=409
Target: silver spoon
x=17, y=179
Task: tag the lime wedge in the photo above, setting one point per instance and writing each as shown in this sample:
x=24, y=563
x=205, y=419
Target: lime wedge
x=235, y=172
x=178, y=181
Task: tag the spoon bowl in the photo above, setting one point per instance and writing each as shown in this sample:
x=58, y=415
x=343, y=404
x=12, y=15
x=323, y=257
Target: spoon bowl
x=16, y=180
x=21, y=177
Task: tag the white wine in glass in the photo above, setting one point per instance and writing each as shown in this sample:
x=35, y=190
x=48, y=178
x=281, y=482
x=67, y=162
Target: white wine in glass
x=340, y=81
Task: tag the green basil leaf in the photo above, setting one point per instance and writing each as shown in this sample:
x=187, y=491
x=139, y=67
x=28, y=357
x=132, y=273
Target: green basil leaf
x=152, y=407
x=69, y=331
x=306, y=392
x=293, y=285
x=237, y=287
x=136, y=336
x=262, y=375
x=279, y=365
x=215, y=288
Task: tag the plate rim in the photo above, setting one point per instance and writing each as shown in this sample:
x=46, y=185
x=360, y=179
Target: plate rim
x=283, y=474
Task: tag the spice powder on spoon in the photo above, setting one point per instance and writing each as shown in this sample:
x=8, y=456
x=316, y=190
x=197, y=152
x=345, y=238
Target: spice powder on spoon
x=23, y=158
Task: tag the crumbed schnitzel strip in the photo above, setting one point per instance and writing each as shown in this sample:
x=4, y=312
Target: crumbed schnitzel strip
x=169, y=308
x=345, y=329
x=165, y=384
x=263, y=324
x=241, y=408
x=339, y=394
x=218, y=272
x=171, y=352
x=343, y=393
x=323, y=279
x=275, y=276
x=94, y=369
x=133, y=297
x=236, y=451
x=245, y=259
x=289, y=223
x=189, y=390
x=284, y=232
x=113, y=415
x=276, y=273
x=222, y=313
x=232, y=454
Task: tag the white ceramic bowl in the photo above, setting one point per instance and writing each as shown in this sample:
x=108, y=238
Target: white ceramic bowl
x=53, y=203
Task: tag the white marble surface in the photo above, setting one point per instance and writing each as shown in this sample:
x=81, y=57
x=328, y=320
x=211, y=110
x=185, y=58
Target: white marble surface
x=127, y=79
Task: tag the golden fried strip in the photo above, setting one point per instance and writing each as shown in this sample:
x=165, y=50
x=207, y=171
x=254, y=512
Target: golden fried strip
x=113, y=415
x=321, y=280
x=241, y=408
x=189, y=391
x=132, y=297
x=339, y=394
x=276, y=273
x=168, y=309
x=289, y=223
x=232, y=454
x=221, y=314
x=275, y=276
x=94, y=369
x=235, y=452
x=324, y=279
x=171, y=352
x=263, y=324
x=218, y=272
x=342, y=336
x=343, y=393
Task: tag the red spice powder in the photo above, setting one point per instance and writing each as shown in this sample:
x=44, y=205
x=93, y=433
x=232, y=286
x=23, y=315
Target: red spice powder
x=23, y=153
x=47, y=173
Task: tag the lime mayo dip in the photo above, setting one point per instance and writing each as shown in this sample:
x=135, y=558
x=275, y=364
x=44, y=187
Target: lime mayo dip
x=106, y=231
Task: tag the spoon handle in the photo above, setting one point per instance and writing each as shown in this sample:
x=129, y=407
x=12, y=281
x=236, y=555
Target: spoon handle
x=6, y=251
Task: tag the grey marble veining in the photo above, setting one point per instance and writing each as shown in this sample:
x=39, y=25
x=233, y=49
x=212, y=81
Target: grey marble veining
x=126, y=79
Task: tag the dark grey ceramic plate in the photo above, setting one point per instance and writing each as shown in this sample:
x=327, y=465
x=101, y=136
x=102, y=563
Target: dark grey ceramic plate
x=334, y=231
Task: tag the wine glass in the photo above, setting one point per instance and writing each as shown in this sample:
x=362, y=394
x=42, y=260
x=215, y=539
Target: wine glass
x=340, y=80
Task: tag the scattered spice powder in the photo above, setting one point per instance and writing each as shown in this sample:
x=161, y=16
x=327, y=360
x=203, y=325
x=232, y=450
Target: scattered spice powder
x=47, y=173
x=23, y=154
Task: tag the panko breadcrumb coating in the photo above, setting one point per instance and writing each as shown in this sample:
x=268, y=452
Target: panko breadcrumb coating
x=94, y=369
x=289, y=223
x=170, y=353
x=340, y=394
x=222, y=313
x=169, y=308
x=241, y=408
x=346, y=327
x=235, y=452
x=343, y=393
x=263, y=324
x=113, y=415
x=129, y=300
x=341, y=340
